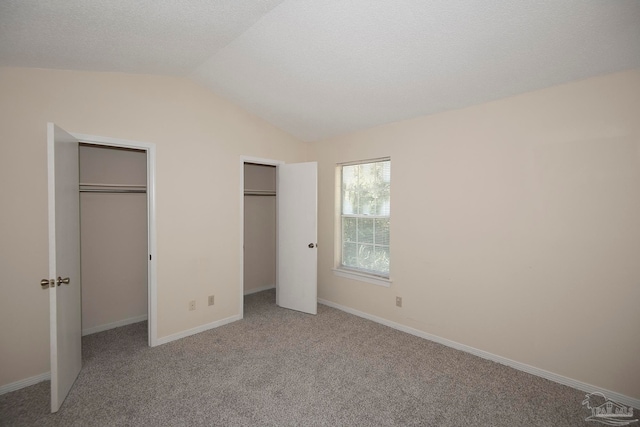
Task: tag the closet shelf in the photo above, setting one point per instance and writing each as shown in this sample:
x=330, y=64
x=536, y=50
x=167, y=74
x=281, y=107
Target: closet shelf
x=259, y=193
x=86, y=187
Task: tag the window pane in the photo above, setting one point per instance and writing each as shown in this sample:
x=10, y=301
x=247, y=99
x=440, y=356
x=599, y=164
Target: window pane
x=366, y=170
x=381, y=236
x=382, y=188
x=383, y=205
x=349, y=229
x=386, y=171
x=365, y=230
x=350, y=255
x=365, y=257
x=366, y=201
x=349, y=189
x=349, y=203
x=381, y=262
x=372, y=187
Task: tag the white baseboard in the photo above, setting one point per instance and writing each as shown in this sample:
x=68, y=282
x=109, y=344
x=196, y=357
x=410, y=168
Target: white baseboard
x=260, y=289
x=617, y=397
x=112, y=325
x=197, y=330
x=7, y=388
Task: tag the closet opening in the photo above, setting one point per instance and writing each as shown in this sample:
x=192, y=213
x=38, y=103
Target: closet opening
x=259, y=232
x=114, y=237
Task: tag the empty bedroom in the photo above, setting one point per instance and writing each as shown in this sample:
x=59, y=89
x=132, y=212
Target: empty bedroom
x=294, y=212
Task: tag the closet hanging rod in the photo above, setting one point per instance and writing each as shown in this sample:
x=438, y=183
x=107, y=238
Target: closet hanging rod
x=88, y=184
x=112, y=190
x=259, y=193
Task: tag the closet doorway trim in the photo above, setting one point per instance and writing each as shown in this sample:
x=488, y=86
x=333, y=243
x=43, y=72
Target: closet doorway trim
x=152, y=289
x=257, y=161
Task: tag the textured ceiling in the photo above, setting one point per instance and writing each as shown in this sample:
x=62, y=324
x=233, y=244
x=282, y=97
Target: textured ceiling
x=139, y=36
x=320, y=68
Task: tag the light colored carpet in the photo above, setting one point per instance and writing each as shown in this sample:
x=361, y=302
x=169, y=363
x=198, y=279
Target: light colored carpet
x=283, y=368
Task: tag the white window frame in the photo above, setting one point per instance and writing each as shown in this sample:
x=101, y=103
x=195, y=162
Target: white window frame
x=345, y=271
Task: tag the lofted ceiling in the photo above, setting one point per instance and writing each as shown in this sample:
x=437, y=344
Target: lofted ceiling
x=321, y=68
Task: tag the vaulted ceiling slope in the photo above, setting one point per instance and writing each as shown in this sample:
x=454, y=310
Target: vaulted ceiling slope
x=320, y=68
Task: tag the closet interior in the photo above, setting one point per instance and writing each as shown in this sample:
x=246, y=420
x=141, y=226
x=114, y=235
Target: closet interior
x=259, y=227
x=113, y=237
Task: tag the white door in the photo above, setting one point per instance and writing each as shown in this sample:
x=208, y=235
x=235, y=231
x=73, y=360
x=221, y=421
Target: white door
x=64, y=262
x=297, y=236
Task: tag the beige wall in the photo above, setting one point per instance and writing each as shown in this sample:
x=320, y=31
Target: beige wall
x=199, y=138
x=113, y=233
x=515, y=228
x=514, y=223
x=259, y=228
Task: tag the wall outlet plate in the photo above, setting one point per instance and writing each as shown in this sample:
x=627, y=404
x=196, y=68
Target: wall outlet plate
x=211, y=299
x=398, y=301
x=192, y=305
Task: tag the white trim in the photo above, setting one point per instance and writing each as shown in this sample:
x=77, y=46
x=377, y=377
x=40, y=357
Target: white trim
x=260, y=289
x=112, y=142
x=152, y=296
x=617, y=397
x=197, y=330
x=26, y=382
x=365, y=161
x=53, y=307
x=258, y=161
x=152, y=284
x=363, y=277
x=113, y=325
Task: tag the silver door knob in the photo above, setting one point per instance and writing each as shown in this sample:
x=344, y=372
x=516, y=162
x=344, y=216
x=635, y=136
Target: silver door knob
x=45, y=283
x=60, y=280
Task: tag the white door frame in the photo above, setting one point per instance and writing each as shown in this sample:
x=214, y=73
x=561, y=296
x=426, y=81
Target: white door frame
x=152, y=285
x=258, y=161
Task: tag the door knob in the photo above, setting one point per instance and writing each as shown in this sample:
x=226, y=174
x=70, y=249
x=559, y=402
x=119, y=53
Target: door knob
x=60, y=280
x=311, y=245
x=45, y=283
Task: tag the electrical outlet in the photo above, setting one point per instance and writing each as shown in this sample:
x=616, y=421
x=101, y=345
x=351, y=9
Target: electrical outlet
x=192, y=305
x=211, y=299
x=398, y=301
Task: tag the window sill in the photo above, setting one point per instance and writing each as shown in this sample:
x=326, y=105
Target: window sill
x=362, y=277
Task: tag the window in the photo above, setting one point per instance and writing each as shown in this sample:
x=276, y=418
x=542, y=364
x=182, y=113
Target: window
x=365, y=214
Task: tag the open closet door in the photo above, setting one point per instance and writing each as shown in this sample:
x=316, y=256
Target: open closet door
x=297, y=236
x=64, y=263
